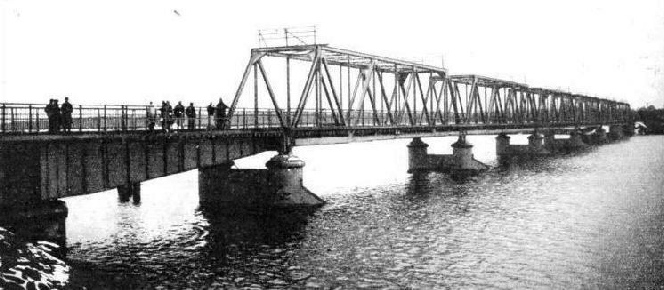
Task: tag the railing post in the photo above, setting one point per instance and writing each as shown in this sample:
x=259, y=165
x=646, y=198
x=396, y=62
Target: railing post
x=209, y=122
x=269, y=119
x=13, y=126
x=244, y=118
x=30, y=118
x=37, y=119
x=199, y=118
x=3, y=118
x=105, y=122
x=80, y=118
x=98, y=120
x=362, y=111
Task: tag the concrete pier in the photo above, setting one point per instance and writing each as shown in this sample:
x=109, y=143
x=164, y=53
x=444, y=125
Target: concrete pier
x=278, y=186
x=536, y=143
x=461, y=161
x=596, y=138
x=574, y=142
x=502, y=144
x=616, y=132
x=418, y=156
x=285, y=178
x=130, y=191
x=535, y=146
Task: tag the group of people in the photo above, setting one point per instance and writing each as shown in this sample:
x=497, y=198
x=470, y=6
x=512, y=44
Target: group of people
x=59, y=117
x=168, y=115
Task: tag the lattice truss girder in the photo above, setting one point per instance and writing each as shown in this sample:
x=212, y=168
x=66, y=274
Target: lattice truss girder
x=415, y=94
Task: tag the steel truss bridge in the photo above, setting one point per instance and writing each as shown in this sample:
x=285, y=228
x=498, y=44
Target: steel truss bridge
x=324, y=91
x=391, y=93
x=324, y=95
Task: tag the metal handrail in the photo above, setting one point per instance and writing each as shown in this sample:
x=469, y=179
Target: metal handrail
x=32, y=119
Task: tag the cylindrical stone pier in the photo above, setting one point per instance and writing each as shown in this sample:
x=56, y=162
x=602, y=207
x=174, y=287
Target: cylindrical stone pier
x=600, y=136
x=616, y=132
x=535, y=142
x=418, y=158
x=575, y=140
x=463, y=153
x=285, y=177
x=502, y=144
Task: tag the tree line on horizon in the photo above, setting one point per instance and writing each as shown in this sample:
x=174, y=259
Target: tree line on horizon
x=652, y=117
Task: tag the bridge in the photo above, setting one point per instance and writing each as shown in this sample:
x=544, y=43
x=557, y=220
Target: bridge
x=343, y=96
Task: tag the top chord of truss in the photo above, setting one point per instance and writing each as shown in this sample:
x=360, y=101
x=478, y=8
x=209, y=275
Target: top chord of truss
x=486, y=81
x=348, y=58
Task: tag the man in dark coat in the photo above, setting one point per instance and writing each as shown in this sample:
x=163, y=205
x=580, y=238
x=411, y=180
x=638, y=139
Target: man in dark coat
x=179, y=114
x=191, y=116
x=220, y=118
x=66, y=109
x=210, y=111
x=52, y=116
x=164, y=116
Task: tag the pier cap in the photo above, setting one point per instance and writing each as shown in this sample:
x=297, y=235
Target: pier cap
x=462, y=143
x=285, y=161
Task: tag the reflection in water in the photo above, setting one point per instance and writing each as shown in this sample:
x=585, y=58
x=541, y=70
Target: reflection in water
x=593, y=219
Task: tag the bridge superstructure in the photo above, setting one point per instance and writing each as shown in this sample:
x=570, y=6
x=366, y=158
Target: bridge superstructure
x=324, y=95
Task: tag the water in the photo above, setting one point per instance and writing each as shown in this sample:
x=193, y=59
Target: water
x=593, y=219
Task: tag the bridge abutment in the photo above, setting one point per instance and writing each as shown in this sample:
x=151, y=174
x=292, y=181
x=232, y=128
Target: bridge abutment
x=43, y=220
x=461, y=161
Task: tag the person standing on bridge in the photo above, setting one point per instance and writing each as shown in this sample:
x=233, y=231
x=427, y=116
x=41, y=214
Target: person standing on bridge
x=67, y=109
x=191, y=116
x=210, y=111
x=169, y=115
x=165, y=122
x=220, y=119
x=53, y=112
x=152, y=116
x=179, y=115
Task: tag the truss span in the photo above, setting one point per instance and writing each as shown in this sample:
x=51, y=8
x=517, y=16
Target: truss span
x=347, y=89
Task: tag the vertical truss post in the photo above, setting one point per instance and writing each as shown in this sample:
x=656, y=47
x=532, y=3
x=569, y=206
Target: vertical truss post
x=255, y=96
x=288, y=92
x=396, y=94
x=341, y=89
x=412, y=78
x=317, y=101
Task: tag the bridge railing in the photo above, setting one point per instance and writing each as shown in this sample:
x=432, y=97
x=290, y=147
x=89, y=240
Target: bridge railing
x=32, y=119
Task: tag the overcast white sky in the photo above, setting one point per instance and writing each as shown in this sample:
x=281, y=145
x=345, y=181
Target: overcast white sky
x=103, y=52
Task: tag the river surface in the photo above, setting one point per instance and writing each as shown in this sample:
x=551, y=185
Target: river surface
x=590, y=219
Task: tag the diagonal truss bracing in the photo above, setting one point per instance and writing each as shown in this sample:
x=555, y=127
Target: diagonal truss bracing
x=344, y=88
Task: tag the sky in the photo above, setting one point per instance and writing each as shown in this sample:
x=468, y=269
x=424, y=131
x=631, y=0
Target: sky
x=133, y=52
